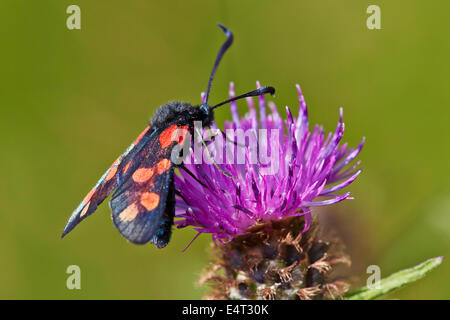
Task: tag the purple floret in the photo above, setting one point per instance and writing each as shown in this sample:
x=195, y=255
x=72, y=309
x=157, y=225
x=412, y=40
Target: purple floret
x=311, y=165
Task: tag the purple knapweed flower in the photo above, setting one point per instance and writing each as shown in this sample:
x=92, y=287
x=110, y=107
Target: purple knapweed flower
x=311, y=165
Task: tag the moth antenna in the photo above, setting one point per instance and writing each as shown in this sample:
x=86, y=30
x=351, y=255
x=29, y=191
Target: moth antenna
x=220, y=54
x=257, y=92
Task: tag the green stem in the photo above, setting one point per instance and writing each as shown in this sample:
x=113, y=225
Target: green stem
x=394, y=281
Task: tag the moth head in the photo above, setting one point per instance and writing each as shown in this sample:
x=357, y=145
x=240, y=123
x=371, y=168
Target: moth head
x=206, y=114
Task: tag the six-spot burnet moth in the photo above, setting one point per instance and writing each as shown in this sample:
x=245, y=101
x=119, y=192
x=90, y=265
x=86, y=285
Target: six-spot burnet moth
x=143, y=204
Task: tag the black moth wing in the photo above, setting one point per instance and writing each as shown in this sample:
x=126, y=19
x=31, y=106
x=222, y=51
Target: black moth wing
x=107, y=183
x=143, y=205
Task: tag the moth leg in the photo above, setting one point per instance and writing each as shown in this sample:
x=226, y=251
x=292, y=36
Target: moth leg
x=211, y=138
x=208, y=153
x=232, y=141
x=189, y=172
x=178, y=193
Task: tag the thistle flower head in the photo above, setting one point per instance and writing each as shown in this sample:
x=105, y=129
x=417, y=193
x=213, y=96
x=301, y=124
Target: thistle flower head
x=305, y=169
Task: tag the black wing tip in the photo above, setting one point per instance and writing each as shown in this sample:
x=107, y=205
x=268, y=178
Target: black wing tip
x=142, y=240
x=66, y=230
x=69, y=227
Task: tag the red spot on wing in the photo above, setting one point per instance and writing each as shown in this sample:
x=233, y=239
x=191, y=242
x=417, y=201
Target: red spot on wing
x=149, y=200
x=182, y=134
x=125, y=169
x=163, y=166
x=142, y=175
x=85, y=209
x=165, y=139
x=113, y=169
x=130, y=213
x=89, y=196
x=172, y=134
x=112, y=172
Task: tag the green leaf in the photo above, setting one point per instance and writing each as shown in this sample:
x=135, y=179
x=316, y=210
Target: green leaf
x=395, y=281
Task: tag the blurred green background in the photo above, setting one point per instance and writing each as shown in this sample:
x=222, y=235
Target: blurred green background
x=72, y=100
